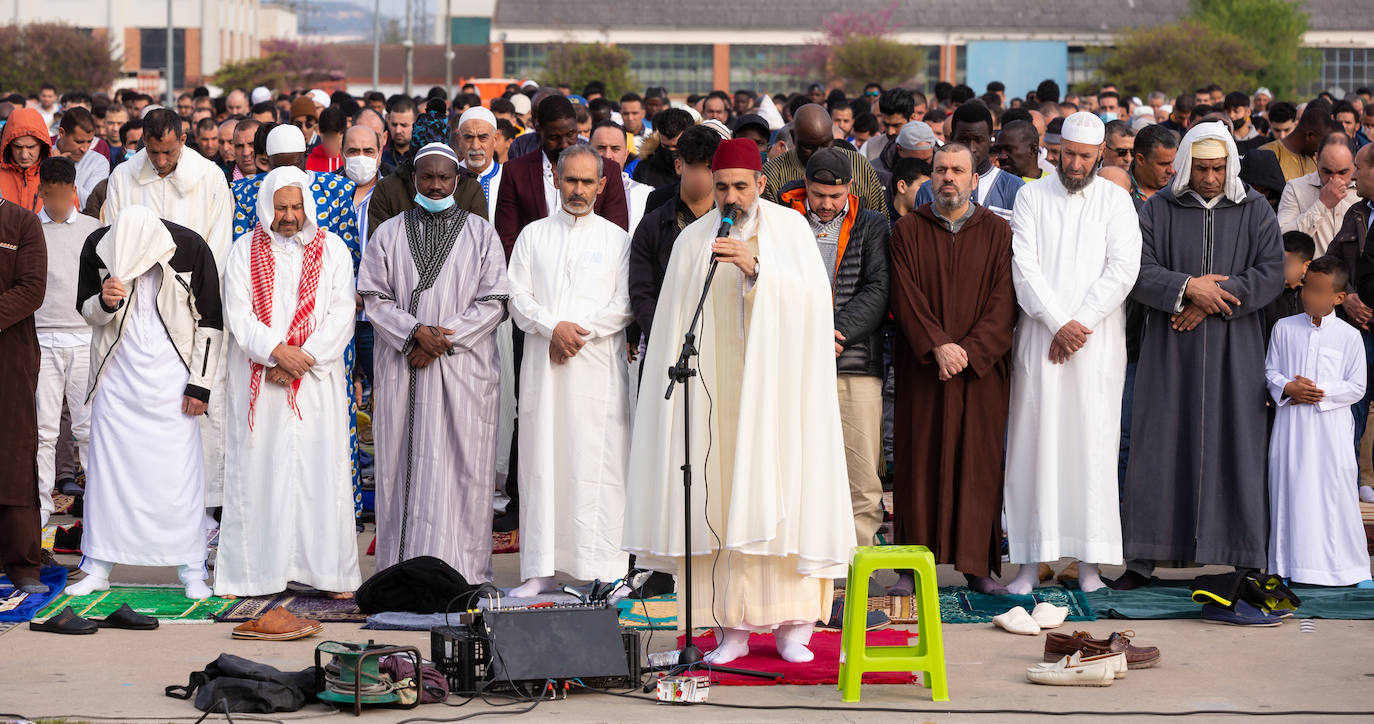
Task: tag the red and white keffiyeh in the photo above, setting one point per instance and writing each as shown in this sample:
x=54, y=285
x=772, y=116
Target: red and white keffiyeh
x=263, y=274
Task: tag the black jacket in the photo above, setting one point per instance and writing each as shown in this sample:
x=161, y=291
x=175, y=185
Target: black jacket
x=650, y=248
x=1350, y=245
x=657, y=170
x=861, y=285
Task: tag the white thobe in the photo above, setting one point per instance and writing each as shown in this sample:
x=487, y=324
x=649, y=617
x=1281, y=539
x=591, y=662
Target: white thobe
x=1301, y=209
x=195, y=195
x=574, y=416
x=1074, y=258
x=1315, y=534
x=93, y=168
x=636, y=196
x=143, y=493
x=288, y=498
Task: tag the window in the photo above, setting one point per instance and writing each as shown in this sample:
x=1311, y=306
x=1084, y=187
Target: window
x=763, y=69
x=153, y=55
x=1345, y=69
x=1084, y=64
x=680, y=69
x=525, y=60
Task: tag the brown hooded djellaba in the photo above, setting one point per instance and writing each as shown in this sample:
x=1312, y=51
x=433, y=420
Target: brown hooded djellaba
x=948, y=436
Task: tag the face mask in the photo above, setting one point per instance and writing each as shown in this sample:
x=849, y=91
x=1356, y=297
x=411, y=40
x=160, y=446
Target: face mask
x=433, y=206
x=360, y=169
x=1107, y=117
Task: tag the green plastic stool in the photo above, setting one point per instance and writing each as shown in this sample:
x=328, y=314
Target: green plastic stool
x=928, y=655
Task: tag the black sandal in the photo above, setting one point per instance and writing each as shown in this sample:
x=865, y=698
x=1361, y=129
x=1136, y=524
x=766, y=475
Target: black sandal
x=126, y=617
x=66, y=622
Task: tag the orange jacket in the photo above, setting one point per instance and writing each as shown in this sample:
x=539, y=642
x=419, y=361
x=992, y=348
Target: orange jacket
x=20, y=185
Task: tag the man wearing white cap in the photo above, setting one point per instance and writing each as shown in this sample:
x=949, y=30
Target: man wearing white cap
x=322, y=100
x=260, y=95
x=1075, y=255
x=1212, y=259
x=477, y=151
x=433, y=283
x=187, y=189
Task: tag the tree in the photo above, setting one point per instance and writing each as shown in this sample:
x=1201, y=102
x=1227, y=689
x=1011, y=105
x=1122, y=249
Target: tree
x=287, y=65
x=1180, y=58
x=62, y=55
x=1273, y=29
x=855, y=47
x=577, y=64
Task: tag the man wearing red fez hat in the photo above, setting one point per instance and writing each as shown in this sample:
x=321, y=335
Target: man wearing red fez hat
x=776, y=491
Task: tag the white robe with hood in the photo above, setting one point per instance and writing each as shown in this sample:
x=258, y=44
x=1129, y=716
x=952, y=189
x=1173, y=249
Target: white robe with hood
x=288, y=492
x=771, y=511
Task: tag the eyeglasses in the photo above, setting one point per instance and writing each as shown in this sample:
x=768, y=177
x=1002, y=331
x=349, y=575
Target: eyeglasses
x=872, y=94
x=1120, y=152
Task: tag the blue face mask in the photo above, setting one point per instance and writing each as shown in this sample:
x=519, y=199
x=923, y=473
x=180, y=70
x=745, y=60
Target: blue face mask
x=433, y=206
x=1107, y=117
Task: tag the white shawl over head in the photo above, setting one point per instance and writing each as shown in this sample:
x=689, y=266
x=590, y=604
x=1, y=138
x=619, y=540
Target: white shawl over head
x=790, y=492
x=135, y=242
x=1183, y=162
x=280, y=178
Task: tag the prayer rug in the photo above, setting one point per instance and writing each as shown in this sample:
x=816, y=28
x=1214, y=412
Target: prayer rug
x=505, y=542
x=823, y=669
x=168, y=604
x=16, y=607
x=658, y=613
x=960, y=605
x=317, y=607
x=1172, y=600
x=62, y=504
x=49, y=536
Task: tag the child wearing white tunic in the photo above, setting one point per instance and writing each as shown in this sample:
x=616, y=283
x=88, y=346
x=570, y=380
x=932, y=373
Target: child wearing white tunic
x=1315, y=370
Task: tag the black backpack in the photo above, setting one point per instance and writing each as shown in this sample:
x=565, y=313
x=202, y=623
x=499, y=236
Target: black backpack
x=419, y=585
x=235, y=684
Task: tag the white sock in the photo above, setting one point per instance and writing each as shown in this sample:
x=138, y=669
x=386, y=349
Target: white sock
x=88, y=585
x=792, y=640
x=1089, y=577
x=734, y=643
x=211, y=525
x=197, y=590
x=1367, y=494
x=43, y=518
x=1026, y=579
x=533, y=587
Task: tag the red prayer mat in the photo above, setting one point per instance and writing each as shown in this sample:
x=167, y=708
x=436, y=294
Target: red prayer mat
x=824, y=669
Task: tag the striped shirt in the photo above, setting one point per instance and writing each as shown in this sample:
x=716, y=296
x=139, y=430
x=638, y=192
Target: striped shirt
x=786, y=168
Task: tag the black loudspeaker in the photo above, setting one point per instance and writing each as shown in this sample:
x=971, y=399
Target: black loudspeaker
x=554, y=643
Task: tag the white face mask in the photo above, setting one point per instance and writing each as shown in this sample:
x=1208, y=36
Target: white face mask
x=360, y=169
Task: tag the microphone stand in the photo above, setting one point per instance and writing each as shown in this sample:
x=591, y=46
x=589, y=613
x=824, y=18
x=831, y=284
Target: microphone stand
x=689, y=658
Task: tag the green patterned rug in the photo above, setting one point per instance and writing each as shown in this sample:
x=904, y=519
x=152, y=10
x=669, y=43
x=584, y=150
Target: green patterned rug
x=167, y=603
x=960, y=605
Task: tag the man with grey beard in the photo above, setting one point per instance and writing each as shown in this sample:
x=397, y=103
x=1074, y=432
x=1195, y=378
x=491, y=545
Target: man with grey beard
x=476, y=136
x=1075, y=256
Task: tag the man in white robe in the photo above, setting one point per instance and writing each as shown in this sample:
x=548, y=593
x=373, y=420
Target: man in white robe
x=288, y=491
x=1315, y=370
x=767, y=451
x=150, y=290
x=433, y=282
x=569, y=284
x=1075, y=256
x=186, y=189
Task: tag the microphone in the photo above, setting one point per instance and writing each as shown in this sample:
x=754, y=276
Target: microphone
x=727, y=222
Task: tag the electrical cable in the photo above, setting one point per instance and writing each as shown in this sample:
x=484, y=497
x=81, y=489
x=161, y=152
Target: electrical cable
x=1021, y=712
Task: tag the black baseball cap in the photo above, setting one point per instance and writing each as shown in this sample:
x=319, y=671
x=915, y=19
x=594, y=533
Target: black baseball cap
x=829, y=166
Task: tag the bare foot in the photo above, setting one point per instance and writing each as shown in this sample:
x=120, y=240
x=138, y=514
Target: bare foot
x=339, y=595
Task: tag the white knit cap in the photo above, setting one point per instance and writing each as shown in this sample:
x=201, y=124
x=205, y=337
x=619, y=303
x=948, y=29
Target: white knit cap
x=320, y=97
x=260, y=95
x=1084, y=127
x=477, y=113
x=521, y=103
x=441, y=149
x=285, y=138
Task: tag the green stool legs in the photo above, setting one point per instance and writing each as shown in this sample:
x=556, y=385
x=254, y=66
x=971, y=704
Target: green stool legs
x=927, y=656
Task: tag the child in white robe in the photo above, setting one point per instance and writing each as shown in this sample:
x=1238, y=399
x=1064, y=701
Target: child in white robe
x=1315, y=370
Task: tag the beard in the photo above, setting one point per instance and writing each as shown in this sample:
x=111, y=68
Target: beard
x=951, y=200
x=1074, y=185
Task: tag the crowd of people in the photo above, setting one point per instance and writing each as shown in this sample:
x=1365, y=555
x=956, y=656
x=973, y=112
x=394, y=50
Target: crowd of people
x=1065, y=325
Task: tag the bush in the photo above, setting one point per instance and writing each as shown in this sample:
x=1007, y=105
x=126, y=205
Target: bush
x=54, y=53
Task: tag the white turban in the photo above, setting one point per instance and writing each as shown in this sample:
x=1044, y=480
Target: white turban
x=320, y=97
x=477, y=113
x=260, y=95
x=1083, y=127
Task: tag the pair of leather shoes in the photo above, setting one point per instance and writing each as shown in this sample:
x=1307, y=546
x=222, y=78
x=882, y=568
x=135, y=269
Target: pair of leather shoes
x=278, y=624
x=1058, y=646
x=67, y=622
